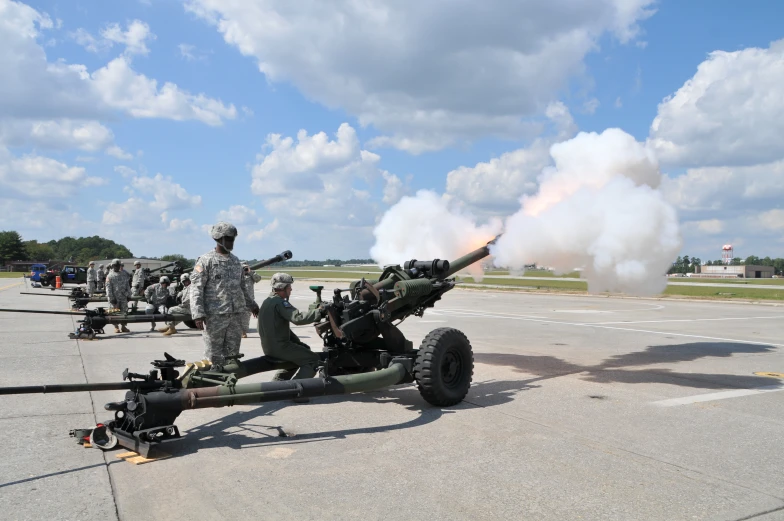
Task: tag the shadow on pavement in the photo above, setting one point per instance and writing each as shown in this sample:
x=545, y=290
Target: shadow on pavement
x=612, y=369
x=247, y=432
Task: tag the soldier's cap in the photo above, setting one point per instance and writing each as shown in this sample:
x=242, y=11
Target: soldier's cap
x=91, y=263
x=223, y=229
x=137, y=263
x=185, y=277
x=281, y=280
x=115, y=262
x=165, y=280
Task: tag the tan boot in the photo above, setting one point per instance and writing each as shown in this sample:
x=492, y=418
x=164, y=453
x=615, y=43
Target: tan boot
x=116, y=329
x=244, y=335
x=125, y=329
x=170, y=331
x=163, y=329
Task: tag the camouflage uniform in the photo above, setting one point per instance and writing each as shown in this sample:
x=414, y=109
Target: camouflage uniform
x=249, y=280
x=277, y=339
x=100, y=277
x=137, y=285
x=92, y=278
x=219, y=297
x=156, y=297
x=184, y=297
x=118, y=291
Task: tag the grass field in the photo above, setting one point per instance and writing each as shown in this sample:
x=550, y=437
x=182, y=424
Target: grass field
x=10, y=274
x=576, y=286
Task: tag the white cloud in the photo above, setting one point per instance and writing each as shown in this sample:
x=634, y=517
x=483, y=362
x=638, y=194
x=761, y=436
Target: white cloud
x=262, y=233
x=590, y=106
x=90, y=136
x=772, y=220
x=498, y=184
x=36, y=89
x=119, y=153
x=120, y=87
x=134, y=38
x=125, y=171
x=186, y=51
x=709, y=226
x=167, y=195
x=239, y=215
x=426, y=74
x=730, y=113
x=730, y=190
x=393, y=188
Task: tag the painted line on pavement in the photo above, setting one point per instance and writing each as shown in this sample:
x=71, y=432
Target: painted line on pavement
x=11, y=286
x=718, y=396
x=687, y=320
x=506, y=316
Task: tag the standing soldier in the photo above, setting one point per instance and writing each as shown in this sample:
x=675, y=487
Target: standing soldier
x=137, y=284
x=118, y=291
x=249, y=279
x=101, y=276
x=277, y=338
x=92, y=278
x=218, y=297
x=157, y=296
x=183, y=305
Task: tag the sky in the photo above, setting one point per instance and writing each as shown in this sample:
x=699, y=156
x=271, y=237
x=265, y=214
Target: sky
x=304, y=122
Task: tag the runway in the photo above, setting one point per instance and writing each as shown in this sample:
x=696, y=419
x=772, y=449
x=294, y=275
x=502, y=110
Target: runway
x=581, y=408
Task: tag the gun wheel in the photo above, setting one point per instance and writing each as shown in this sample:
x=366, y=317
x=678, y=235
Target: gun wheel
x=444, y=367
x=190, y=323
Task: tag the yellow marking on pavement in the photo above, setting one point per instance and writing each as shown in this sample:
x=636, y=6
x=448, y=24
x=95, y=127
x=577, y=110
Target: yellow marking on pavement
x=771, y=375
x=12, y=286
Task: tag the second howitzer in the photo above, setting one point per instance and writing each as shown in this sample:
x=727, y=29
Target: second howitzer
x=363, y=350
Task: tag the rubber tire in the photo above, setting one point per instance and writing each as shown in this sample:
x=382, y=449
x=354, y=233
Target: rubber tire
x=428, y=370
x=190, y=323
x=284, y=375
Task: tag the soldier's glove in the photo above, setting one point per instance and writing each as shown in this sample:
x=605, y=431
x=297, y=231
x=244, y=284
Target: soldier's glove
x=200, y=323
x=255, y=310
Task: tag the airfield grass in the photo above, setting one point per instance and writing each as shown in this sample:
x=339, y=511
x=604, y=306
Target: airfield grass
x=572, y=286
x=10, y=274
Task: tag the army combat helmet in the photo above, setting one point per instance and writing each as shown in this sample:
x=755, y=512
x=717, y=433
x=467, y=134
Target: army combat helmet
x=279, y=281
x=221, y=230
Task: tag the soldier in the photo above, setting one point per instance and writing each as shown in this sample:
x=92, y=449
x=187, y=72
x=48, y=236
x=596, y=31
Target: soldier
x=157, y=296
x=249, y=278
x=277, y=339
x=137, y=284
x=92, y=278
x=218, y=297
x=100, y=275
x=183, y=305
x=118, y=291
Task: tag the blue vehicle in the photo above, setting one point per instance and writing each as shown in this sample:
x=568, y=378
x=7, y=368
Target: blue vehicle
x=36, y=270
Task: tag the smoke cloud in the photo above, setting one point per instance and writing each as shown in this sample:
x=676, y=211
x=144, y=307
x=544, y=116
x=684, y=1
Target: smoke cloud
x=423, y=227
x=597, y=209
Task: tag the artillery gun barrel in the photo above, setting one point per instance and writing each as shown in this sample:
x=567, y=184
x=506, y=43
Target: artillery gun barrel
x=41, y=311
x=75, y=388
x=286, y=255
x=468, y=259
x=159, y=268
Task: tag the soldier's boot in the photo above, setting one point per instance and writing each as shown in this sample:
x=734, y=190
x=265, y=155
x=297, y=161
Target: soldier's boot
x=170, y=331
x=116, y=328
x=163, y=329
x=125, y=329
x=152, y=326
x=244, y=335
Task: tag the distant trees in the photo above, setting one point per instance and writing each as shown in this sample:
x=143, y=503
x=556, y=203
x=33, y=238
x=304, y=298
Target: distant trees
x=185, y=263
x=681, y=266
x=11, y=247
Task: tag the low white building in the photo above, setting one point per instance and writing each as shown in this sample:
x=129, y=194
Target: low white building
x=146, y=263
x=749, y=271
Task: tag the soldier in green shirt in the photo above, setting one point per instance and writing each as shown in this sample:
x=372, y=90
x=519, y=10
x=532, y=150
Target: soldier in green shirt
x=277, y=339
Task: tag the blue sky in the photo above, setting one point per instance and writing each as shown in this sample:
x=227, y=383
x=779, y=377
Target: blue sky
x=416, y=112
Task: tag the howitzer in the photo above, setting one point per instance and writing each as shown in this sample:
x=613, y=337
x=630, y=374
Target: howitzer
x=80, y=299
x=363, y=350
x=96, y=319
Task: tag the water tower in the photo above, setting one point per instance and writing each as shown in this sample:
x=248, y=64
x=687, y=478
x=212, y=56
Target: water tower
x=727, y=254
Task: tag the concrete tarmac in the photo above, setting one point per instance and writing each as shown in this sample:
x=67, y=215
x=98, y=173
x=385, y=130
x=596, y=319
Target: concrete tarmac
x=581, y=408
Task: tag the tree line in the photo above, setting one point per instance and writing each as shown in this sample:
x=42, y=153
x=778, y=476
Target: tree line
x=68, y=249
x=686, y=264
